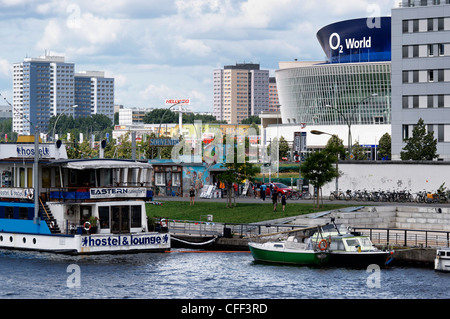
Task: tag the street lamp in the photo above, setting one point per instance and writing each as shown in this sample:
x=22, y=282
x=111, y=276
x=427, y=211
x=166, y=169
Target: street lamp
x=348, y=120
x=57, y=119
x=162, y=117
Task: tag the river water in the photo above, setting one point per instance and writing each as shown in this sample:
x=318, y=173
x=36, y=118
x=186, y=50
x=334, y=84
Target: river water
x=184, y=274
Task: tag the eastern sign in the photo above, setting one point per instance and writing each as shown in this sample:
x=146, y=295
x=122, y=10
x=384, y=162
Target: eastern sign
x=118, y=192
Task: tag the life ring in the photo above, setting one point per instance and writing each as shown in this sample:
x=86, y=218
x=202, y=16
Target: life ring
x=52, y=224
x=163, y=222
x=323, y=247
x=30, y=196
x=87, y=226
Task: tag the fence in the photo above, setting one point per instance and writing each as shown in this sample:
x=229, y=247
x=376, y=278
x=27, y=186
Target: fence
x=407, y=237
x=380, y=236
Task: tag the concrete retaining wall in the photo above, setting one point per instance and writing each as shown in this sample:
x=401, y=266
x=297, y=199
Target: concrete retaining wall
x=391, y=175
x=401, y=217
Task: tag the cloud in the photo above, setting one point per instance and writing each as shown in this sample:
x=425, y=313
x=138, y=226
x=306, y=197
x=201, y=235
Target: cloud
x=5, y=68
x=157, y=49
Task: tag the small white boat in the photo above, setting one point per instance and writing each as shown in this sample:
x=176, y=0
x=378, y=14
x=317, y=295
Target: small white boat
x=442, y=260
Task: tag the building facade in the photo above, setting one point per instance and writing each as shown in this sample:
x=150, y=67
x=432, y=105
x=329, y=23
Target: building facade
x=240, y=91
x=48, y=86
x=100, y=94
x=42, y=87
x=421, y=72
x=350, y=91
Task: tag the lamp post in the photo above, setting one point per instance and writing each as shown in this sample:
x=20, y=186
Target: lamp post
x=162, y=117
x=348, y=120
x=160, y=123
x=57, y=119
x=316, y=132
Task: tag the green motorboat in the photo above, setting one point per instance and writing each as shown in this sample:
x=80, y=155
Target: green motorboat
x=297, y=249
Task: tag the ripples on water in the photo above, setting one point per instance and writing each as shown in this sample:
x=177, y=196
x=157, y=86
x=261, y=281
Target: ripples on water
x=209, y=275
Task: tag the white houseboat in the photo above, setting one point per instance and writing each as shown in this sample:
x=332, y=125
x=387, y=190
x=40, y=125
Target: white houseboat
x=442, y=260
x=80, y=206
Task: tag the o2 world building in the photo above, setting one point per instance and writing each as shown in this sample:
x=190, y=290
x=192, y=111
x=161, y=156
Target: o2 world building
x=352, y=88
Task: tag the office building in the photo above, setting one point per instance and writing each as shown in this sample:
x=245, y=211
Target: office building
x=421, y=72
x=48, y=86
x=42, y=87
x=94, y=94
x=240, y=91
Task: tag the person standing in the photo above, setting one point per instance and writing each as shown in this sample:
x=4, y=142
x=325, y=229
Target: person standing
x=192, y=195
x=263, y=191
x=283, y=201
x=274, y=201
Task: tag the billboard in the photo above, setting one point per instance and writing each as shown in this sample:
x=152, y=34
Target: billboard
x=357, y=40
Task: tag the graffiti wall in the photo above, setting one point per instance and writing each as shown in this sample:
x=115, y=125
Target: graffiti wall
x=196, y=177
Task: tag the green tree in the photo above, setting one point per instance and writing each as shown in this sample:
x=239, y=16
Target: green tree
x=335, y=146
x=422, y=146
x=359, y=153
x=252, y=119
x=385, y=146
x=318, y=169
x=283, y=148
x=237, y=173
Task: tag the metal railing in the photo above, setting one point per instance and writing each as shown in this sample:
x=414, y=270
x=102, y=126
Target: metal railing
x=407, y=237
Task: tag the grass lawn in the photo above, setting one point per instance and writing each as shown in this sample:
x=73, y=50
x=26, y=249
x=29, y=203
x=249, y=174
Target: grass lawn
x=242, y=213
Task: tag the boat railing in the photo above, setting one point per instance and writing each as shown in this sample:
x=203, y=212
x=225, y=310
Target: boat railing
x=82, y=193
x=406, y=237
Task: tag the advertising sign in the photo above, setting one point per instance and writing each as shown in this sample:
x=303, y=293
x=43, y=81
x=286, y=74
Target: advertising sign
x=118, y=192
x=180, y=101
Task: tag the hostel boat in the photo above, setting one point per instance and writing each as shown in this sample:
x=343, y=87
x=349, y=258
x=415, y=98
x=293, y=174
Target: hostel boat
x=442, y=260
x=80, y=206
x=327, y=245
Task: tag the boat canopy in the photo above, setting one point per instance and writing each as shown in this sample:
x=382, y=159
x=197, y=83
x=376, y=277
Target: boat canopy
x=97, y=164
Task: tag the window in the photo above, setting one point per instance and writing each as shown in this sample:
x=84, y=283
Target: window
x=176, y=179
x=9, y=212
x=136, y=216
x=23, y=213
x=103, y=213
x=160, y=179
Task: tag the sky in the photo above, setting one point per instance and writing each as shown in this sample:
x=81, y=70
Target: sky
x=168, y=49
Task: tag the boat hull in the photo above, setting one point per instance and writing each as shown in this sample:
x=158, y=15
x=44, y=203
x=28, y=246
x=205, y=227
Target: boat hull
x=359, y=259
x=285, y=256
x=86, y=244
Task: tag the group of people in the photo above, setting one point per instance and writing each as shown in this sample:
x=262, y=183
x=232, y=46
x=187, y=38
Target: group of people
x=273, y=195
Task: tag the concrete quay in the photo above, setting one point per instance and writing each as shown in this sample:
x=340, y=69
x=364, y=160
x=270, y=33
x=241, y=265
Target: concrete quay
x=414, y=232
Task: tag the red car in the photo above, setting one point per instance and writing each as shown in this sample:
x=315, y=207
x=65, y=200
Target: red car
x=279, y=188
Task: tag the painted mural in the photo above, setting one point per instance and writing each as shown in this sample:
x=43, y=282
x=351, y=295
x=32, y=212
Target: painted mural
x=196, y=177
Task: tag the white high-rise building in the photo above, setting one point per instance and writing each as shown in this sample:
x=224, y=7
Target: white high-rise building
x=42, y=87
x=48, y=86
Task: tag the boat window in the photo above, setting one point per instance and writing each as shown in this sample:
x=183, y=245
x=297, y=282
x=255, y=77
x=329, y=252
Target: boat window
x=448, y=253
x=365, y=242
x=352, y=242
x=103, y=214
x=278, y=245
x=9, y=212
x=136, y=220
x=23, y=213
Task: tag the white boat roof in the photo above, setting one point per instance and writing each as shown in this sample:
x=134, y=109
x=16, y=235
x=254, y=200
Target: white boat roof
x=106, y=163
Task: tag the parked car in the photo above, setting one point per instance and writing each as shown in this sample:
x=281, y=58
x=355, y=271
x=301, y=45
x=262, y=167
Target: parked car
x=280, y=188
